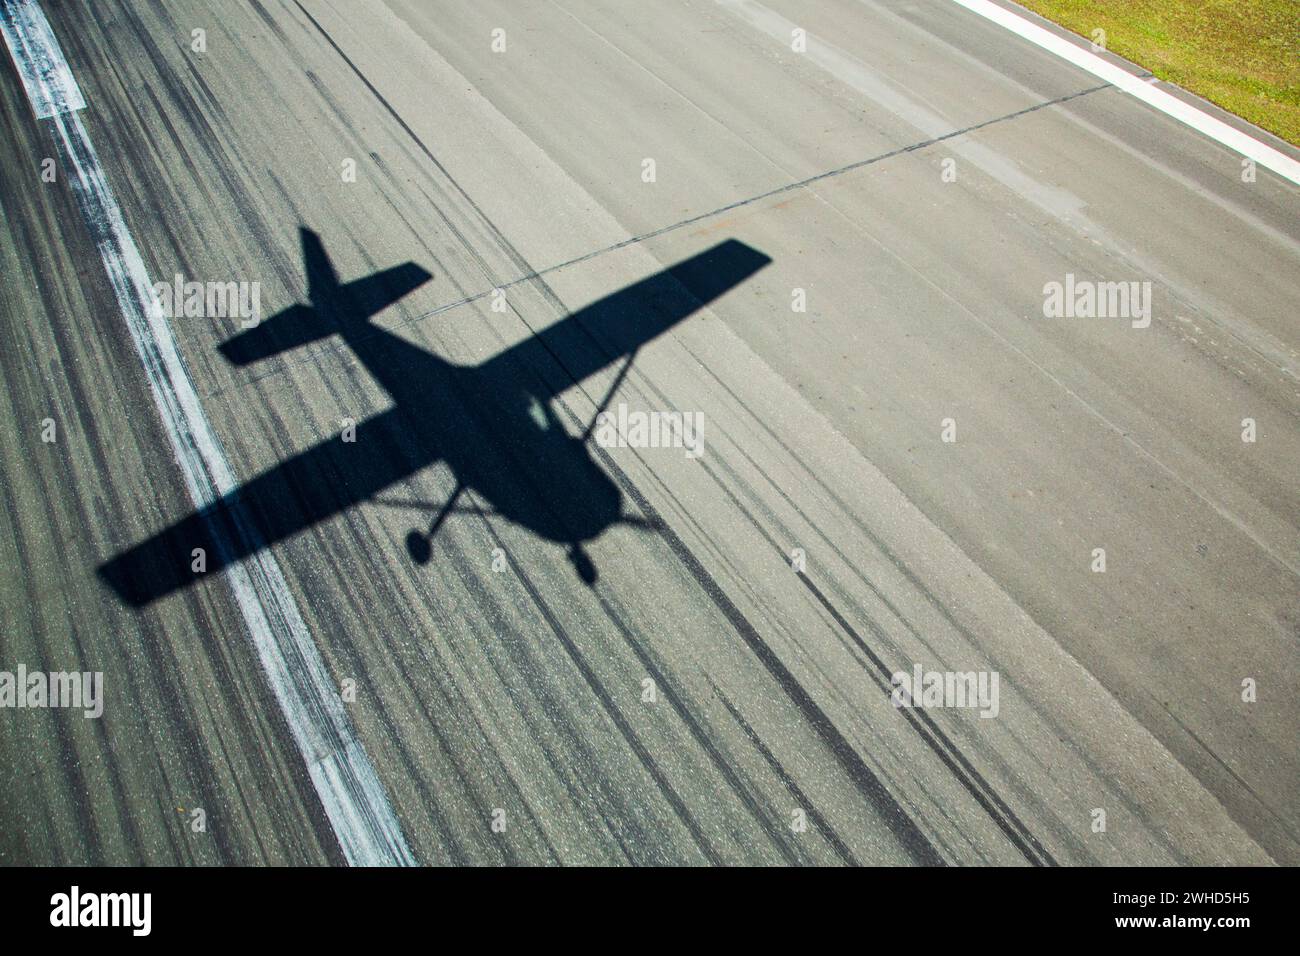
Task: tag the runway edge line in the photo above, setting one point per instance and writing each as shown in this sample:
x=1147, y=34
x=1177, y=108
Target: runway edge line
x=1138, y=87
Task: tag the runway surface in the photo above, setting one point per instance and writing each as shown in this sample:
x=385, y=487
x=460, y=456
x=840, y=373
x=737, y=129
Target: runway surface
x=652, y=655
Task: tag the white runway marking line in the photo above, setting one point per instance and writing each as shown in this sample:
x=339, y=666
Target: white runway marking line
x=1142, y=89
x=50, y=85
x=341, y=772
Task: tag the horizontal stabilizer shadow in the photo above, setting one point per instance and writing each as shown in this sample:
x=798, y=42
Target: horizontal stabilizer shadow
x=332, y=307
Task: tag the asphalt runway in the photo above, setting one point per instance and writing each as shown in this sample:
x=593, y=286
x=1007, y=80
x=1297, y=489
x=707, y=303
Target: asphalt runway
x=445, y=619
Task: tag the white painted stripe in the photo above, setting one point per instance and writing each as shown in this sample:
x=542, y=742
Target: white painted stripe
x=1122, y=79
x=346, y=781
x=51, y=87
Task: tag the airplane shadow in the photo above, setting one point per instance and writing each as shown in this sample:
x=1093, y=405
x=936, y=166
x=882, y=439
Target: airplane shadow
x=492, y=424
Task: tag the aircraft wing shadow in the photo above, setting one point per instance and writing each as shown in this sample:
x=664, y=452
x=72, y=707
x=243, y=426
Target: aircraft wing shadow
x=296, y=494
x=601, y=333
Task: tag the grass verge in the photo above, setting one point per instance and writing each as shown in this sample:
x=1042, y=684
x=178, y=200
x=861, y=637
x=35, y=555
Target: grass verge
x=1243, y=55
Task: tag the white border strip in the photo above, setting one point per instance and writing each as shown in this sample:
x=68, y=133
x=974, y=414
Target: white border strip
x=1167, y=103
x=344, y=778
x=51, y=87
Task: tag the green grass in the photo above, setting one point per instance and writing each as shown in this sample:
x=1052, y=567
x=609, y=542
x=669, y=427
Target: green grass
x=1243, y=55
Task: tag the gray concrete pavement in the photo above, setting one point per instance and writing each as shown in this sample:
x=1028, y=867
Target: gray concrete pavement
x=493, y=677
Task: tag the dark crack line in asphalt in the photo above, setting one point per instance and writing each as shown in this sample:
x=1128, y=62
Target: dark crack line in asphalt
x=673, y=227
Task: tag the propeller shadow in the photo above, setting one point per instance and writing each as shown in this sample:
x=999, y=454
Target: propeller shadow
x=492, y=424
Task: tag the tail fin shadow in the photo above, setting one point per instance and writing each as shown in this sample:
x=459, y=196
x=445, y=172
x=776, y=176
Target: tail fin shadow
x=333, y=307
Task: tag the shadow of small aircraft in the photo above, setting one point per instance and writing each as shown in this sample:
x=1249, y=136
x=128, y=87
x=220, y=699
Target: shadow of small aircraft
x=492, y=424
